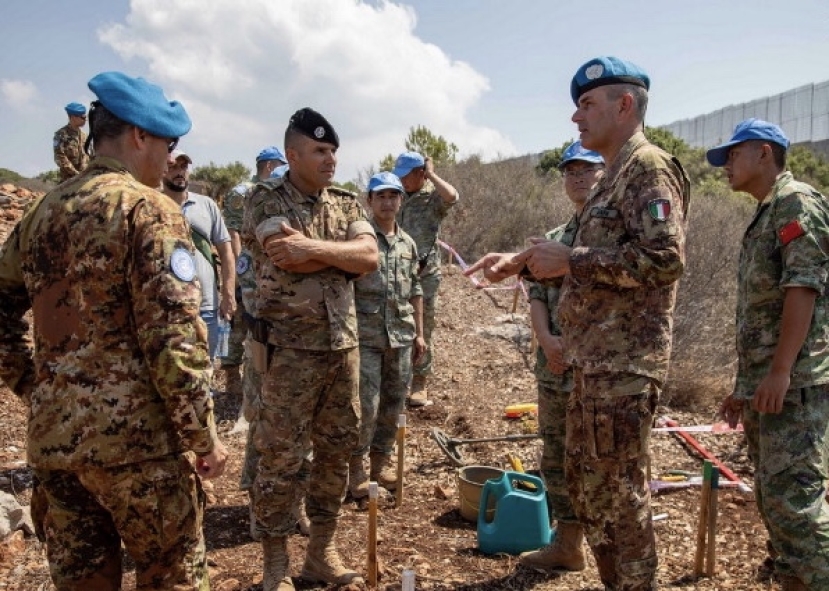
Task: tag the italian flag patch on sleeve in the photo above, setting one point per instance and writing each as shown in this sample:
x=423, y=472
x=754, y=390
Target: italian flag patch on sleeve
x=790, y=231
x=660, y=209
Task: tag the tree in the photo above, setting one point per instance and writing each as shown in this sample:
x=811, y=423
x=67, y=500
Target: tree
x=10, y=175
x=422, y=140
x=551, y=159
x=220, y=178
x=49, y=176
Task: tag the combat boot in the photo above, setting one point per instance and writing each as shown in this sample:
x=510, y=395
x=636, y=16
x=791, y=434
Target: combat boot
x=382, y=470
x=233, y=380
x=275, y=572
x=419, y=395
x=357, y=477
x=564, y=553
x=790, y=583
x=322, y=561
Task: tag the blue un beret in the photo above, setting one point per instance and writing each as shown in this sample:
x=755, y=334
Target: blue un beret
x=385, y=180
x=605, y=70
x=750, y=129
x=140, y=103
x=270, y=153
x=76, y=109
x=313, y=125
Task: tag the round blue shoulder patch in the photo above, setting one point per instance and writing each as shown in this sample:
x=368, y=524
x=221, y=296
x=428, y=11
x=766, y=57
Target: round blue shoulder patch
x=242, y=263
x=183, y=264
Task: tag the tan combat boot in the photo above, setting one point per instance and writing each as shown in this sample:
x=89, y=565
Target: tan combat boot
x=357, y=477
x=419, y=395
x=382, y=470
x=564, y=553
x=275, y=572
x=322, y=561
x=233, y=380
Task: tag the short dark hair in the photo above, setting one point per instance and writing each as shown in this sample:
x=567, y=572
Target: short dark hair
x=291, y=136
x=778, y=152
x=103, y=124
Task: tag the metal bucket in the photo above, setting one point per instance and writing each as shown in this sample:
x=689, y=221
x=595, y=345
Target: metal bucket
x=471, y=480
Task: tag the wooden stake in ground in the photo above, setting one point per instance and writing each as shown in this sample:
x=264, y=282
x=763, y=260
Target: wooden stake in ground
x=711, y=557
x=401, y=458
x=702, y=526
x=372, y=534
x=515, y=297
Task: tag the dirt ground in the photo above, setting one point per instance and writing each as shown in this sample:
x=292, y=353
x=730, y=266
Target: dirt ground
x=483, y=363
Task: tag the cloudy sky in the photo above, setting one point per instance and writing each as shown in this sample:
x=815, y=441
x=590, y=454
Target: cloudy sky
x=490, y=76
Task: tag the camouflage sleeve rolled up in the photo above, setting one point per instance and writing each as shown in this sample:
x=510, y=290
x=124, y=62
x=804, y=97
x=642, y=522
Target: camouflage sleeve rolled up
x=170, y=333
x=16, y=364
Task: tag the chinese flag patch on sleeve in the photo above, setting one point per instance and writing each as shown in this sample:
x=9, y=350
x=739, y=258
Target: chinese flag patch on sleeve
x=791, y=231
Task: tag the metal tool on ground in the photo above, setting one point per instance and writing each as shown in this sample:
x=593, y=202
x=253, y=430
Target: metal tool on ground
x=449, y=445
x=401, y=458
x=373, y=492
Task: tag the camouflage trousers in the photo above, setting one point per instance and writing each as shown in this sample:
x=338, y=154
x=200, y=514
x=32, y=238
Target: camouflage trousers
x=155, y=507
x=609, y=418
x=552, y=413
x=384, y=382
x=310, y=402
x=236, y=342
x=790, y=453
x=251, y=392
x=430, y=285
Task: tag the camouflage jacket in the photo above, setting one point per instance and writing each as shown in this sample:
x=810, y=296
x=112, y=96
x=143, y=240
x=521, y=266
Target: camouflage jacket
x=69, y=154
x=549, y=295
x=313, y=311
x=785, y=245
x=234, y=212
x=616, y=305
x=420, y=217
x=384, y=314
x=119, y=372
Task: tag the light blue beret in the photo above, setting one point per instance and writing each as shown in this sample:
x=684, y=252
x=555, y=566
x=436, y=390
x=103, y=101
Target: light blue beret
x=576, y=151
x=140, y=103
x=270, y=153
x=76, y=109
x=605, y=70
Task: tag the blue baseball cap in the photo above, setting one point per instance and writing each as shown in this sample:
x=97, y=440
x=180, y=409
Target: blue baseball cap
x=270, y=153
x=601, y=71
x=279, y=171
x=407, y=162
x=141, y=103
x=750, y=129
x=575, y=151
x=76, y=109
x=385, y=180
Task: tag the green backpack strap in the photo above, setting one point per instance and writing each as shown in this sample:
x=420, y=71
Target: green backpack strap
x=202, y=244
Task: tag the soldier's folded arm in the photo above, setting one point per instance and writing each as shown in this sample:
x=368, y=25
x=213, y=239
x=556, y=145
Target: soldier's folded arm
x=653, y=256
x=172, y=337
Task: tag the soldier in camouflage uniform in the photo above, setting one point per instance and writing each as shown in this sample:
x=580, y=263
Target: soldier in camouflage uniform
x=615, y=312
x=427, y=201
x=390, y=319
x=68, y=143
x=233, y=209
x=118, y=382
x=308, y=242
x=782, y=390
x=581, y=169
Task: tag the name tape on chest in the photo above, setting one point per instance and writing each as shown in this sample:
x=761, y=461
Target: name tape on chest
x=606, y=213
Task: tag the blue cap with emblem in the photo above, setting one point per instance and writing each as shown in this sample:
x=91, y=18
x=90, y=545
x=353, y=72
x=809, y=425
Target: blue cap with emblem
x=140, y=103
x=601, y=71
x=750, y=129
x=270, y=153
x=313, y=125
x=76, y=109
x=407, y=162
x=384, y=180
x=575, y=151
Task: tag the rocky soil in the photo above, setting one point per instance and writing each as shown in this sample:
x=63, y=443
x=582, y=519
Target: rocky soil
x=483, y=363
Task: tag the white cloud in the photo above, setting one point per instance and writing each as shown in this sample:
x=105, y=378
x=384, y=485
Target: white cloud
x=242, y=67
x=19, y=94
